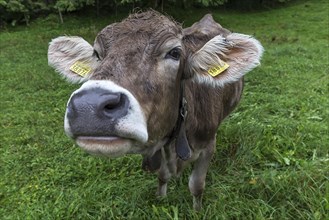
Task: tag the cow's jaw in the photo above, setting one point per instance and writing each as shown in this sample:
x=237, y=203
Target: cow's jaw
x=128, y=134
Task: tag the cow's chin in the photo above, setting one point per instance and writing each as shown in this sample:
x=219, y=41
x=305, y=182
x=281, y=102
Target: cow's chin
x=112, y=146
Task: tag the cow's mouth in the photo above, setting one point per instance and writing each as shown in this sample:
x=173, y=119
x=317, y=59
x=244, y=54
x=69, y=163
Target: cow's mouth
x=112, y=146
x=105, y=119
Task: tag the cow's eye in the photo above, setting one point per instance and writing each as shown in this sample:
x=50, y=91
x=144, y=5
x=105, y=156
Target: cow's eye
x=174, y=54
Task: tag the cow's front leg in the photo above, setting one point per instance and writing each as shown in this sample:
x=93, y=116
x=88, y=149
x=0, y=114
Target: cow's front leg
x=163, y=178
x=198, y=176
x=168, y=165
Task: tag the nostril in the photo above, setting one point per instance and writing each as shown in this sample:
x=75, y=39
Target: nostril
x=112, y=101
x=109, y=107
x=114, y=106
x=91, y=106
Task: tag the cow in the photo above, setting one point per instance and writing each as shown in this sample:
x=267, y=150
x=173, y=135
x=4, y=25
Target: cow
x=151, y=87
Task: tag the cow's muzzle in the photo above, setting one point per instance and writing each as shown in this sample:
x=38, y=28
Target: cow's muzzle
x=105, y=118
x=95, y=112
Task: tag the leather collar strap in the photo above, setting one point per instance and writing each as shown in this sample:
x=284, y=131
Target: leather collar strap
x=182, y=146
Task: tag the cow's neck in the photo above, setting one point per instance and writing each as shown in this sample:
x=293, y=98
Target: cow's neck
x=152, y=161
x=178, y=134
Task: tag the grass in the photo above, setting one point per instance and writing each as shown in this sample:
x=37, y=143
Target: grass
x=272, y=159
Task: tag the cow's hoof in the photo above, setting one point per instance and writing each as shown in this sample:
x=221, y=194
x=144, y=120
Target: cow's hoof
x=162, y=191
x=197, y=203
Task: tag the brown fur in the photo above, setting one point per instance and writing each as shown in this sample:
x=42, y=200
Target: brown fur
x=134, y=56
x=132, y=45
x=137, y=41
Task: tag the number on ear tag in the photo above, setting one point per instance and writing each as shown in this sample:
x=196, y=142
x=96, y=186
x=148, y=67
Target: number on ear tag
x=80, y=68
x=215, y=71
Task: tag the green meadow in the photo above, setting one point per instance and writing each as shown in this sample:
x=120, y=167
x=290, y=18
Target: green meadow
x=272, y=154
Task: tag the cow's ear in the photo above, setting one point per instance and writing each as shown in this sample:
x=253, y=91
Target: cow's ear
x=72, y=57
x=206, y=26
x=225, y=59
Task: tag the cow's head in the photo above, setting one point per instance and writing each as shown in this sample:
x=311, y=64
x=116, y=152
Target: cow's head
x=130, y=96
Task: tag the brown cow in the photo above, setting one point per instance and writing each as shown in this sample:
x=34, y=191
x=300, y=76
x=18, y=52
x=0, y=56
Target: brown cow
x=153, y=88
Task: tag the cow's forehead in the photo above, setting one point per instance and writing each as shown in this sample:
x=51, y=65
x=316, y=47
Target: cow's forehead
x=140, y=27
x=148, y=22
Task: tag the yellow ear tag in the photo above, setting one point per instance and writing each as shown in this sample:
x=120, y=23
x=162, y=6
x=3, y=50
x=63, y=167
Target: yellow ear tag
x=80, y=68
x=214, y=71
